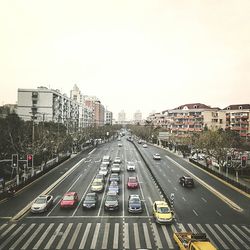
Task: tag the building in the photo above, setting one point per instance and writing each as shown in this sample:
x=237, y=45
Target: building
x=137, y=117
x=108, y=117
x=43, y=104
x=122, y=117
x=237, y=119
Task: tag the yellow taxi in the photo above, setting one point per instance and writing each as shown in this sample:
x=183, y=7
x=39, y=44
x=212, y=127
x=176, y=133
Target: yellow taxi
x=97, y=186
x=162, y=212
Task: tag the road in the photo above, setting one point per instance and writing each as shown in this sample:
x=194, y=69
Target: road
x=211, y=206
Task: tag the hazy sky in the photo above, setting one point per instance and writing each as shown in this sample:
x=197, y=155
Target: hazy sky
x=146, y=55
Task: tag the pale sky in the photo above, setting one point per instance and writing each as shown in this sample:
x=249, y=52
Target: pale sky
x=133, y=55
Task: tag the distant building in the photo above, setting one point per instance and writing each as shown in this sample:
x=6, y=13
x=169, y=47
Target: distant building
x=108, y=117
x=137, y=117
x=238, y=119
x=121, y=117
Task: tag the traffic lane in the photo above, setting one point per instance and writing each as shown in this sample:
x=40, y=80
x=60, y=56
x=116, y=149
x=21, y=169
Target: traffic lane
x=30, y=192
x=242, y=200
x=226, y=190
x=194, y=201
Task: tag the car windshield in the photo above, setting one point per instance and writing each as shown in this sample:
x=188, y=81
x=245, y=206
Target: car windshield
x=89, y=198
x=111, y=198
x=163, y=210
x=40, y=200
x=135, y=201
x=68, y=198
x=132, y=180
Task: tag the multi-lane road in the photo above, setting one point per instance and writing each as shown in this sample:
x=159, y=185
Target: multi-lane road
x=211, y=206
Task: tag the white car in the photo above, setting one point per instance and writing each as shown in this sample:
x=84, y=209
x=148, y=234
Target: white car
x=117, y=160
x=130, y=166
x=115, y=168
x=145, y=145
x=156, y=156
x=42, y=203
x=103, y=170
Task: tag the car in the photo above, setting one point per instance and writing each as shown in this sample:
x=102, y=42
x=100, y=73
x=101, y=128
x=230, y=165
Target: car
x=115, y=168
x=119, y=145
x=106, y=159
x=70, y=199
x=111, y=201
x=97, y=186
x=162, y=212
x=90, y=200
x=113, y=186
x=42, y=203
x=156, y=156
x=130, y=166
x=103, y=170
x=117, y=160
x=145, y=145
x=100, y=176
x=114, y=177
x=186, y=181
x=132, y=182
x=139, y=141
x=134, y=204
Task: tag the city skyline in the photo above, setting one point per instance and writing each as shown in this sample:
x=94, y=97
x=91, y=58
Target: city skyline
x=143, y=55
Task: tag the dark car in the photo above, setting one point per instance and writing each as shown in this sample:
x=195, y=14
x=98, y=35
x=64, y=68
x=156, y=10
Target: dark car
x=114, y=177
x=134, y=203
x=111, y=201
x=90, y=200
x=186, y=181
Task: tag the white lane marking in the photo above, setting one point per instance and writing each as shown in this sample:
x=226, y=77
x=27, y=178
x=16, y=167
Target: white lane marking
x=246, y=229
x=53, y=237
x=64, y=236
x=32, y=236
x=85, y=236
x=8, y=230
x=92, y=151
x=116, y=236
x=22, y=236
x=105, y=236
x=175, y=188
x=143, y=198
x=204, y=231
x=181, y=227
x=43, y=236
x=217, y=236
x=173, y=228
x=95, y=236
x=167, y=237
x=192, y=228
x=242, y=233
x=169, y=181
x=184, y=198
x=4, y=225
x=146, y=234
x=226, y=236
x=204, y=199
x=195, y=212
x=210, y=188
x=74, y=236
x=156, y=236
x=150, y=200
x=10, y=238
x=126, y=237
x=218, y=213
x=123, y=204
x=137, y=236
x=236, y=236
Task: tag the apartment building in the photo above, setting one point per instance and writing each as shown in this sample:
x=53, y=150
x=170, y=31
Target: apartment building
x=108, y=117
x=237, y=119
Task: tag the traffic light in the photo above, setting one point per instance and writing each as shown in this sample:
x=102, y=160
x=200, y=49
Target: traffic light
x=15, y=160
x=243, y=161
x=29, y=161
x=229, y=160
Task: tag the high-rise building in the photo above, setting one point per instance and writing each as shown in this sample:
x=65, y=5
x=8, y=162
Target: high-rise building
x=137, y=117
x=122, y=117
x=108, y=117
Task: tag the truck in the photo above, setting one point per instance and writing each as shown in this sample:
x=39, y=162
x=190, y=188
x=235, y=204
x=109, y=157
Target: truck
x=193, y=241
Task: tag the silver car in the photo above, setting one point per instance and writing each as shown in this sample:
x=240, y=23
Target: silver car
x=42, y=204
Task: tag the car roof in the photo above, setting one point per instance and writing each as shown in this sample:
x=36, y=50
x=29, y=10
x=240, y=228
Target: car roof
x=111, y=193
x=70, y=193
x=161, y=203
x=134, y=196
x=132, y=177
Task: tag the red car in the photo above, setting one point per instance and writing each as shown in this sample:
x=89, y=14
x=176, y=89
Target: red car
x=132, y=182
x=70, y=199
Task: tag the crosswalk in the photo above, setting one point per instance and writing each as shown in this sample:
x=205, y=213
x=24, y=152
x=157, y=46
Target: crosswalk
x=115, y=235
